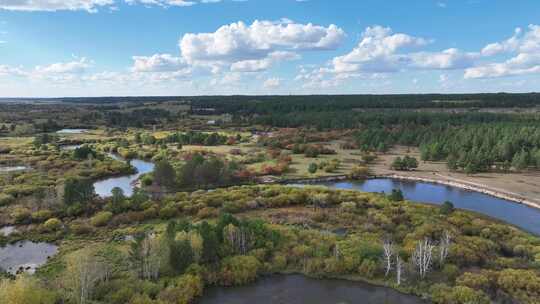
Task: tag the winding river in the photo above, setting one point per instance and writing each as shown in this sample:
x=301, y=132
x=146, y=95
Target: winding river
x=293, y=289
x=104, y=187
x=522, y=216
x=298, y=289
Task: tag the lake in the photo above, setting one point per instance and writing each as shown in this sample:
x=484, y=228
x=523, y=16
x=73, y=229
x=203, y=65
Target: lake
x=298, y=289
x=25, y=255
x=520, y=215
x=104, y=187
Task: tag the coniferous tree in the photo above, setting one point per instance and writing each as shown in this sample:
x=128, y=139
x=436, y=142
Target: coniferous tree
x=180, y=255
x=210, y=243
x=164, y=174
x=78, y=191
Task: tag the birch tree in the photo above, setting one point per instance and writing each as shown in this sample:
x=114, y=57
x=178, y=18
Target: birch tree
x=195, y=240
x=337, y=251
x=145, y=256
x=83, y=272
x=422, y=256
x=319, y=200
x=150, y=251
x=388, y=253
x=399, y=269
x=237, y=238
x=444, y=246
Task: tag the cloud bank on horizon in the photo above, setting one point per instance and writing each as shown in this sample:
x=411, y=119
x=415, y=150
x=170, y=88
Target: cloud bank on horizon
x=263, y=56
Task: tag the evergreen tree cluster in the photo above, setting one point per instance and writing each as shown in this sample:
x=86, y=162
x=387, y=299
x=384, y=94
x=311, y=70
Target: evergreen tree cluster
x=197, y=138
x=227, y=237
x=197, y=171
x=406, y=163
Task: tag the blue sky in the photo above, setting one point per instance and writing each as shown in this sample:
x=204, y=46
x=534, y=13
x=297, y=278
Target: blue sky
x=181, y=47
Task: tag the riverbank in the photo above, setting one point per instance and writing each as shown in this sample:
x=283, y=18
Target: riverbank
x=441, y=180
x=447, y=181
x=519, y=187
x=313, y=180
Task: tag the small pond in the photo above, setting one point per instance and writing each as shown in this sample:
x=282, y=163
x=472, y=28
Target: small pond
x=25, y=256
x=522, y=216
x=72, y=131
x=69, y=147
x=298, y=289
x=12, y=168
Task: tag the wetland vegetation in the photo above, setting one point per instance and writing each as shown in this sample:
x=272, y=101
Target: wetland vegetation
x=176, y=201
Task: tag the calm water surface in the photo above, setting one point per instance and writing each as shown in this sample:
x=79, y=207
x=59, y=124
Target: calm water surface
x=12, y=168
x=72, y=131
x=519, y=215
x=103, y=188
x=297, y=289
x=25, y=255
x=70, y=147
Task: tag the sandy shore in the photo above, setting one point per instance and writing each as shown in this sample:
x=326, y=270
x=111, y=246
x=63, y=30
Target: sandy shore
x=448, y=181
x=438, y=179
x=522, y=188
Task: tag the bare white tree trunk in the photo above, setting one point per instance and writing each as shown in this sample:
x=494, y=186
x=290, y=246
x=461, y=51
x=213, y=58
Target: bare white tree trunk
x=388, y=247
x=243, y=246
x=399, y=269
x=90, y=160
x=150, y=257
x=422, y=256
x=84, y=271
x=337, y=252
x=238, y=238
x=444, y=246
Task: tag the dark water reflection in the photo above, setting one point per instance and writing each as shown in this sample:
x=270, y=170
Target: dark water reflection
x=519, y=215
x=25, y=255
x=297, y=289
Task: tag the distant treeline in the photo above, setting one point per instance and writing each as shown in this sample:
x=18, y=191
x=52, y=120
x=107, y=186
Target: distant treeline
x=269, y=104
x=323, y=103
x=383, y=119
x=136, y=118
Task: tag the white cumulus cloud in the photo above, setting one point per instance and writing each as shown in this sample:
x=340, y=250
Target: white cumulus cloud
x=71, y=67
x=524, y=46
x=158, y=63
x=448, y=59
x=382, y=51
x=162, y=3
x=272, y=83
x=377, y=51
x=239, y=42
x=54, y=5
